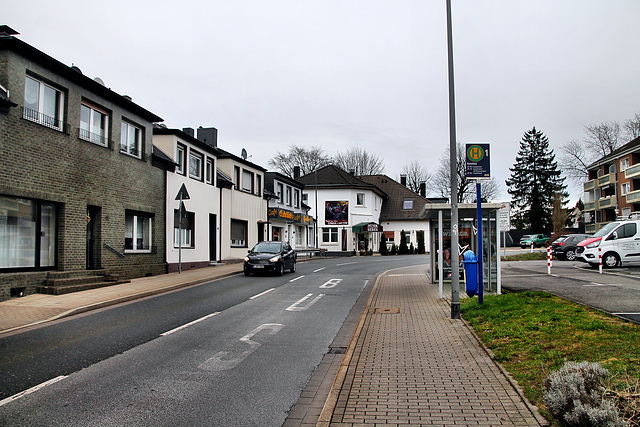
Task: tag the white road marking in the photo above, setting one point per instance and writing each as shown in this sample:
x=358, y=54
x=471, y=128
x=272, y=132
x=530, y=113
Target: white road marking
x=221, y=361
x=345, y=263
x=189, y=324
x=599, y=284
x=626, y=314
x=263, y=293
x=295, y=306
x=297, y=278
x=331, y=284
x=31, y=390
x=320, y=269
x=404, y=275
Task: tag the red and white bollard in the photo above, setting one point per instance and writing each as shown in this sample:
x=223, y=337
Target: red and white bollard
x=549, y=260
x=600, y=259
x=532, y=245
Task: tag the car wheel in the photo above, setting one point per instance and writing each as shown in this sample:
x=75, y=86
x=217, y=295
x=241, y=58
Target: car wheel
x=610, y=260
x=570, y=255
x=280, y=269
x=293, y=266
x=523, y=247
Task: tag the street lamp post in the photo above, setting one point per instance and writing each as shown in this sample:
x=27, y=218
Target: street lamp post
x=455, y=249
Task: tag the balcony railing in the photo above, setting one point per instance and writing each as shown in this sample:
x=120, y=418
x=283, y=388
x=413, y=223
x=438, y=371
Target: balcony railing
x=590, y=206
x=607, y=203
x=590, y=185
x=633, y=197
x=95, y=138
x=606, y=179
x=44, y=120
x=632, y=171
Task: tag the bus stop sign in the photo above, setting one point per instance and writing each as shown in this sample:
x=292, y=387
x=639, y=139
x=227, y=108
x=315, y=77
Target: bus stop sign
x=478, y=164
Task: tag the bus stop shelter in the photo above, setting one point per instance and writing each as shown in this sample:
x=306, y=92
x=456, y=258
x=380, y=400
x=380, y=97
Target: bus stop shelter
x=439, y=215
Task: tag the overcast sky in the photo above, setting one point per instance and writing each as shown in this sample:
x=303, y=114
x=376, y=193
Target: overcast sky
x=344, y=73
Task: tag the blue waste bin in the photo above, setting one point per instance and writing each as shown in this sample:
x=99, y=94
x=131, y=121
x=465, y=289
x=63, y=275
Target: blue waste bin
x=470, y=262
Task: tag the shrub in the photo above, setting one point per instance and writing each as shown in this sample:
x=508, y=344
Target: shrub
x=404, y=249
x=420, y=237
x=384, y=250
x=394, y=249
x=575, y=395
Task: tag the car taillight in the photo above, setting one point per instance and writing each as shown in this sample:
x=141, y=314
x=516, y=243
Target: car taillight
x=561, y=243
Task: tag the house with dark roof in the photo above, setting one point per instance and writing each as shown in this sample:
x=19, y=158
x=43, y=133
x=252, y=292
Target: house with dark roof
x=401, y=211
x=82, y=193
x=288, y=216
x=348, y=210
x=613, y=186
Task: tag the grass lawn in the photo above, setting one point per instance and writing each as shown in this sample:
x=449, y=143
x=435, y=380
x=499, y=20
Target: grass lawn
x=529, y=256
x=534, y=333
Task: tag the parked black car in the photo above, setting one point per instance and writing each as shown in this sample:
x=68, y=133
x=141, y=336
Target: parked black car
x=564, y=247
x=270, y=257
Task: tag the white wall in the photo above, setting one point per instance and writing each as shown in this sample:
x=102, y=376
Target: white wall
x=411, y=228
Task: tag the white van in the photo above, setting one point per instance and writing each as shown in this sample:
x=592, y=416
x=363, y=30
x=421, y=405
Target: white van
x=618, y=242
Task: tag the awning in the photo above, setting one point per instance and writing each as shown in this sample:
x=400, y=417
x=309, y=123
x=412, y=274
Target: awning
x=364, y=227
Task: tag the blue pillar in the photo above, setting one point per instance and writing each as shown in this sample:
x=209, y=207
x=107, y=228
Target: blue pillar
x=480, y=269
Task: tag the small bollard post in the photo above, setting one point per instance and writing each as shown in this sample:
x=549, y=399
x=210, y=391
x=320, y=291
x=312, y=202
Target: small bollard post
x=532, y=245
x=549, y=260
x=600, y=259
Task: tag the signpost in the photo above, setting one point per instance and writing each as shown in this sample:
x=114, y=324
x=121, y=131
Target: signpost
x=182, y=195
x=478, y=166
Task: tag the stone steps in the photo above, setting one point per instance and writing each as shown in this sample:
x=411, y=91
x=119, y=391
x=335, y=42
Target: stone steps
x=64, y=282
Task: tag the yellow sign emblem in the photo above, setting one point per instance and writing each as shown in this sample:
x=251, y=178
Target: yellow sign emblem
x=475, y=153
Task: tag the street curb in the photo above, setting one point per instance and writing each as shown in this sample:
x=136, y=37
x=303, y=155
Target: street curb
x=324, y=420
x=119, y=300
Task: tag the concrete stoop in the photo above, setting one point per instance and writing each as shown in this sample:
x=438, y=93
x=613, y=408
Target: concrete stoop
x=64, y=282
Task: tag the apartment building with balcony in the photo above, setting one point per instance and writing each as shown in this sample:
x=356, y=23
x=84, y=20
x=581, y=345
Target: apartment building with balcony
x=613, y=186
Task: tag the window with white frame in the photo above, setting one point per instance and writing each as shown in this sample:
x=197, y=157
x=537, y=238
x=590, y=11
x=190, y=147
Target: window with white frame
x=43, y=103
x=288, y=195
x=330, y=235
x=280, y=192
x=209, y=170
x=183, y=229
x=238, y=233
x=236, y=177
x=625, y=188
x=181, y=155
x=137, y=232
x=247, y=181
x=258, y=191
x=305, y=198
x=195, y=165
x=624, y=164
x=131, y=140
x=296, y=198
x=94, y=123
x=360, y=199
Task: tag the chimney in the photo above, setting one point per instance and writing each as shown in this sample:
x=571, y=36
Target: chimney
x=208, y=135
x=296, y=172
x=423, y=189
x=189, y=131
x=403, y=180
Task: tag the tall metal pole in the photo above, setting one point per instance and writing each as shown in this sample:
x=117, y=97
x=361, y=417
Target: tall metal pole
x=455, y=249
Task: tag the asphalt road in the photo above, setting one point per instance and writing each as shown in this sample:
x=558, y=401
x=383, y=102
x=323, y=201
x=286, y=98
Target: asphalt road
x=236, y=351
x=616, y=291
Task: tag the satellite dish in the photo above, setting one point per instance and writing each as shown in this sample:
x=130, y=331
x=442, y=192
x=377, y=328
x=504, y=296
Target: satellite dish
x=244, y=154
x=99, y=80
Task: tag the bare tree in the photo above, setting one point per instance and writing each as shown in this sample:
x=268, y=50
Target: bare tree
x=309, y=160
x=466, y=187
x=631, y=128
x=602, y=139
x=360, y=161
x=574, y=161
x=416, y=174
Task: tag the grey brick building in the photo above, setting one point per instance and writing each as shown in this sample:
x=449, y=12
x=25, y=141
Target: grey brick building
x=80, y=187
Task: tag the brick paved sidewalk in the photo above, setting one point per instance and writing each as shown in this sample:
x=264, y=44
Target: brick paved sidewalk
x=410, y=364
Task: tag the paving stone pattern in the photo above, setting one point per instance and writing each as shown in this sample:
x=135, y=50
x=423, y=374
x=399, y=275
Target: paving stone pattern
x=413, y=365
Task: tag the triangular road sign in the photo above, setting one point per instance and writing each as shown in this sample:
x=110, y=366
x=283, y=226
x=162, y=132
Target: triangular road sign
x=183, y=194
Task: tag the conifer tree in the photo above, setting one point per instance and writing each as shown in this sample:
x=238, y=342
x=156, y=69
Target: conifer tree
x=404, y=249
x=535, y=178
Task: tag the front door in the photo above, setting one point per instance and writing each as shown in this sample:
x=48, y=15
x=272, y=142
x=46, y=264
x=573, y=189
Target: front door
x=93, y=235
x=213, y=228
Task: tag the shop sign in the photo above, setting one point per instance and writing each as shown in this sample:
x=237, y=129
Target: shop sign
x=276, y=213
